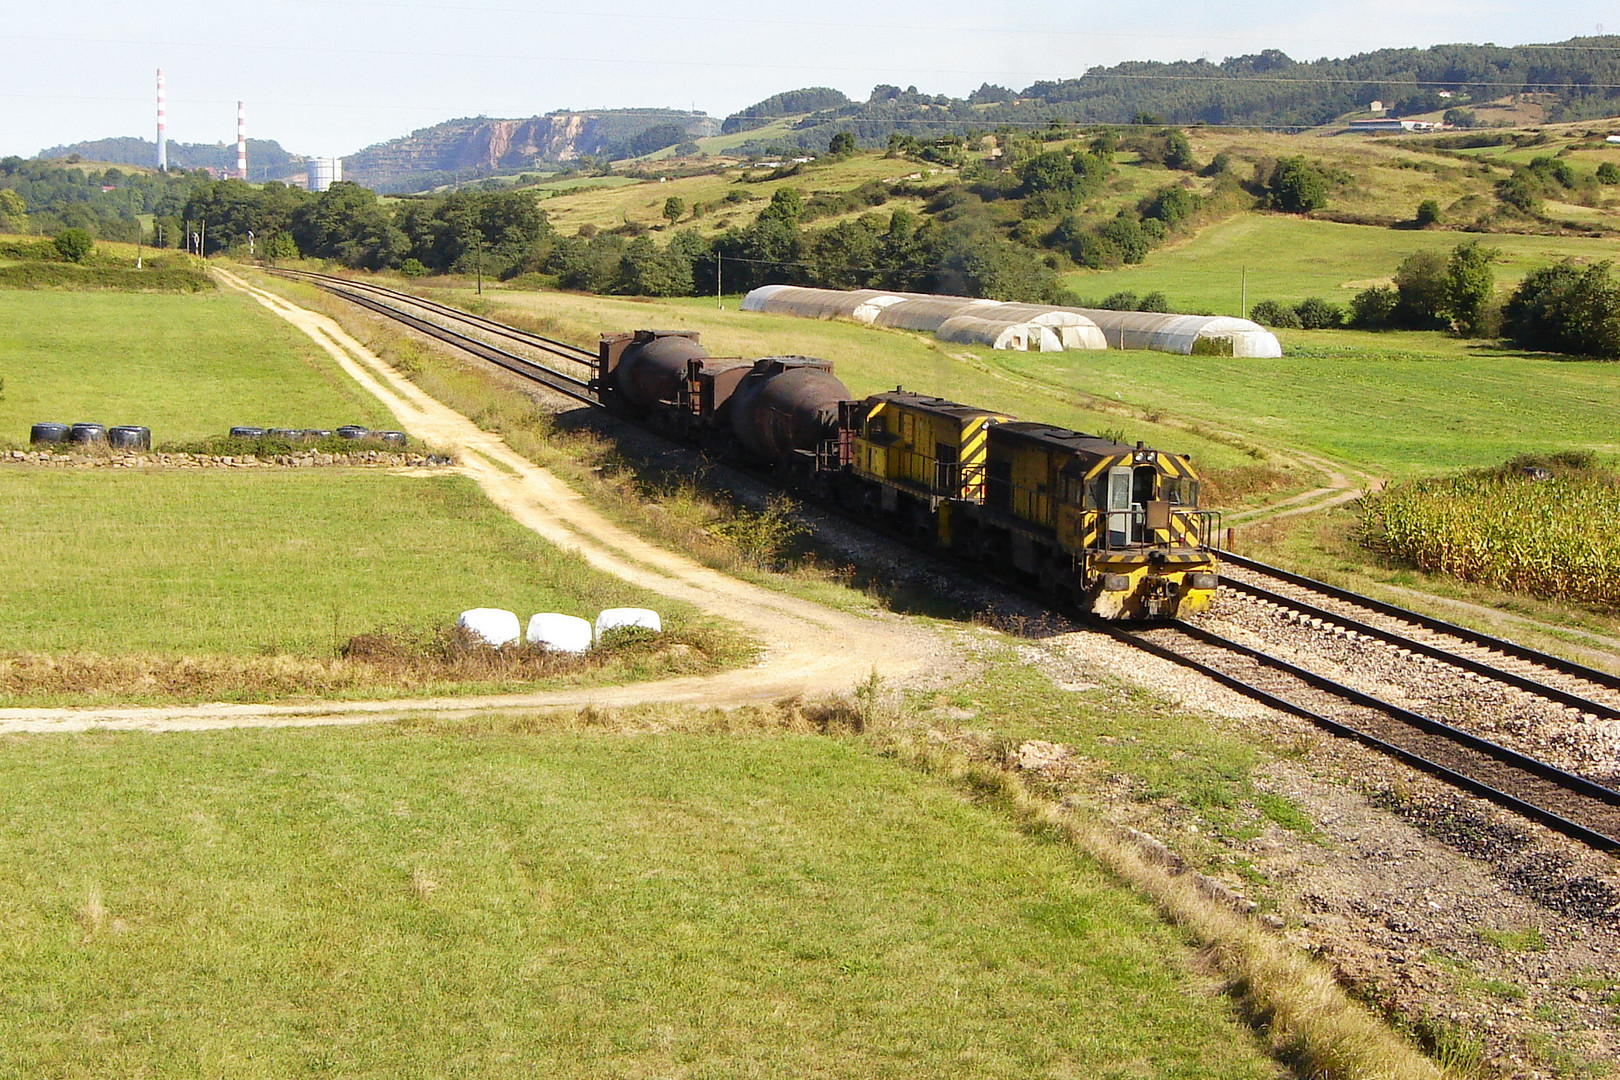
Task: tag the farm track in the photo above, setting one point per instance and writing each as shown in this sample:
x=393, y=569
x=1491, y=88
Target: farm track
x=1571, y=804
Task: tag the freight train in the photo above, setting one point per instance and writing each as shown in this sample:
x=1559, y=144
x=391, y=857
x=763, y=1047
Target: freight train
x=1105, y=527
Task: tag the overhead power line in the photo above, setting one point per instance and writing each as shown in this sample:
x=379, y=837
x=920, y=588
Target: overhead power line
x=649, y=61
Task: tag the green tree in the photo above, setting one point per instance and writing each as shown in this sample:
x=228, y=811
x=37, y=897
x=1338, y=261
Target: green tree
x=1297, y=186
x=674, y=207
x=1420, y=284
x=1608, y=173
x=787, y=206
x=74, y=245
x=1428, y=212
x=1178, y=152
x=1271, y=313
x=1564, y=308
x=1470, y=288
x=13, y=211
x=841, y=145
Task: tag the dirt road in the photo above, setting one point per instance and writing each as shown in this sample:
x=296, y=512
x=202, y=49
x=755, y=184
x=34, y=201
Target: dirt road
x=809, y=649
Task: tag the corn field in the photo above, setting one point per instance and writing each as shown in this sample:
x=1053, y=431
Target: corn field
x=1557, y=537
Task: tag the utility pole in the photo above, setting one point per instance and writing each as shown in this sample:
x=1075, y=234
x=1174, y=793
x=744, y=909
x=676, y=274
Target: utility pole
x=1243, y=305
x=480, y=242
x=718, y=259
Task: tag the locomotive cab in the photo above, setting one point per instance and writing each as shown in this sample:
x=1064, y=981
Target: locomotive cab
x=1115, y=528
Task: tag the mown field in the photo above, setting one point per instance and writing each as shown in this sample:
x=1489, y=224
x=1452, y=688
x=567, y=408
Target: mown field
x=1289, y=258
x=185, y=366
x=261, y=562
x=493, y=903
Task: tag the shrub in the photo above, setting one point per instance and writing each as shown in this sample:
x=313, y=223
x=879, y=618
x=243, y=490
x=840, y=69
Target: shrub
x=74, y=245
x=412, y=268
x=1608, y=173
x=1120, y=301
x=1178, y=152
x=1428, y=212
x=1154, y=301
x=1374, y=308
x=1318, y=314
x=1564, y=308
x=1297, y=186
x=1520, y=192
x=1271, y=313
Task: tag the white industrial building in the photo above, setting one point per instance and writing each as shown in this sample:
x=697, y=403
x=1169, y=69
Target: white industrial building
x=1032, y=327
x=324, y=172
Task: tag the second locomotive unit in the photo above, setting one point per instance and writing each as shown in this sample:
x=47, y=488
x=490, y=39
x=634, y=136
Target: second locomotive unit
x=1107, y=527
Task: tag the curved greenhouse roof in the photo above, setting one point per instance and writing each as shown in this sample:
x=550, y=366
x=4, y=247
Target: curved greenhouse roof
x=1002, y=325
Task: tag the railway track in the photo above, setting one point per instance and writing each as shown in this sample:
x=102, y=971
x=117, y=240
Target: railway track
x=1571, y=804
x=419, y=314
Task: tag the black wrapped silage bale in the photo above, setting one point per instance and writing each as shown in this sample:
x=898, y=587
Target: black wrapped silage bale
x=290, y=434
x=353, y=431
x=390, y=438
x=129, y=437
x=87, y=434
x=48, y=433
x=315, y=434
x=247, y=431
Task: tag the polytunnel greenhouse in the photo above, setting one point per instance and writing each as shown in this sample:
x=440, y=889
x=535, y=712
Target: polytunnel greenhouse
x=1034, y=327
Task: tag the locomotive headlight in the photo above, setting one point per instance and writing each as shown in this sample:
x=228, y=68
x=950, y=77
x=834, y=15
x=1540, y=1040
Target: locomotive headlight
x=1202, y=580
x=1116, y=582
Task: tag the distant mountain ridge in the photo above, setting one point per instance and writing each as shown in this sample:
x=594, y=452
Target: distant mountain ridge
x=1580, y=78
x=267, y=160
x=477, y=146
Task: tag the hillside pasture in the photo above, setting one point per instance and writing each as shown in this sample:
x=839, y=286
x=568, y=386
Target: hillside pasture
x=1289, y=258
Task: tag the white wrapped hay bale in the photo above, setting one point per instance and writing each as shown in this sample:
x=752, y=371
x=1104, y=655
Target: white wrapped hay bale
x=619, y=618
x=559, y=633
x=494, y=626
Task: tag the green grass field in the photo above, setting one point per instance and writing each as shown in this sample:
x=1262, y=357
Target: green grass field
x=185, y=366
x=1290, y=258
x=288, y=561
x=387, y=902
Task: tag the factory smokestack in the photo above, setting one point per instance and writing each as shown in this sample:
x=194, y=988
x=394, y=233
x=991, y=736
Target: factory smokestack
x=241, y=141
x=162, y=143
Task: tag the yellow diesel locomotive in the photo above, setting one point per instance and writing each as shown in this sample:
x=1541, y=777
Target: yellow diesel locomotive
x=1112, y=528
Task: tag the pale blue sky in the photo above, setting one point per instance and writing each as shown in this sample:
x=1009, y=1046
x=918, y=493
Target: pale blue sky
x=331, y=76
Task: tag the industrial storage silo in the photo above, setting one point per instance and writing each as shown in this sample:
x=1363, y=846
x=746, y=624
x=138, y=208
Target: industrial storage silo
x=324, y=172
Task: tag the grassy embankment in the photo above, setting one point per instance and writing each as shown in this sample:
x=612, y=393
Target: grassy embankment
x=160, y=585
x=513, y=899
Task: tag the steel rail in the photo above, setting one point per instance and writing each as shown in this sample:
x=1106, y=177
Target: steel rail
x=561, y=349
x=1533, y=769
x=518, y=365
x=1440, y=626
x=1394, y=637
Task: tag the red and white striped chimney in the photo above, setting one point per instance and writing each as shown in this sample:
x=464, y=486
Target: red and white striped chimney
x=163, y=145
x=241, y=141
